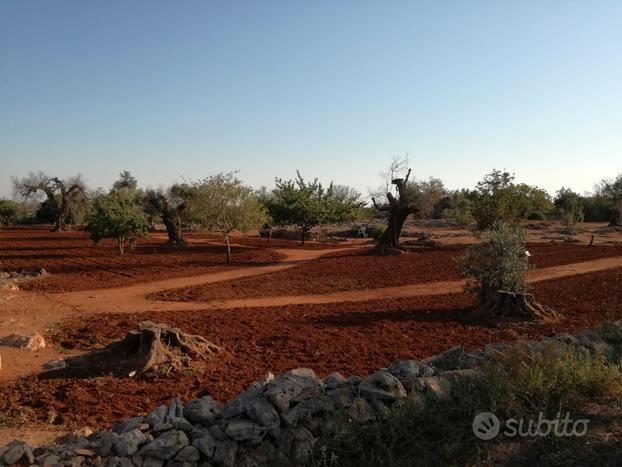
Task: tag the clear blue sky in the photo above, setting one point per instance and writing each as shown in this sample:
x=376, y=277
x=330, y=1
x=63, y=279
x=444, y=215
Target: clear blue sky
x=335, y=88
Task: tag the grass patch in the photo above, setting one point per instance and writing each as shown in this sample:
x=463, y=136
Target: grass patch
x=518, y=385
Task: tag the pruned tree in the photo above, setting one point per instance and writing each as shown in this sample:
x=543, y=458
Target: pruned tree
x=496, y=271
x=612, y=190
x=169, y=205
x=399, y=206
x=223, y=203
x=118, y=217
x=309, y=204
x=60, y=195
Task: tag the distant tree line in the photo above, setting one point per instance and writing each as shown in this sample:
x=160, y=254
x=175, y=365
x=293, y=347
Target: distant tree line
x=223, y=203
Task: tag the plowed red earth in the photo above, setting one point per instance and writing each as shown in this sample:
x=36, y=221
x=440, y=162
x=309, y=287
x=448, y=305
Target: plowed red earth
x=359, y=270
x=348, y=337
x=75, y=264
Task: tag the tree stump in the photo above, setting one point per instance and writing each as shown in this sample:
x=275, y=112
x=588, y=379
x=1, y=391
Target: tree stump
x=517, y=306
x=149, y=348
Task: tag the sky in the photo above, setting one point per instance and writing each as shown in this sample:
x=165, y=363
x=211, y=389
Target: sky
x=170, y=89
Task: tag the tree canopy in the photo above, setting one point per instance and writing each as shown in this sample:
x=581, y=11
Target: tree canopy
x=118, y=217
x=309, y=204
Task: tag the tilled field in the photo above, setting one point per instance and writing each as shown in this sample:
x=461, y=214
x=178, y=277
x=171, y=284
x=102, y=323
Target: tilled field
x=75, y=264
x=359, y=270
x=347, y=337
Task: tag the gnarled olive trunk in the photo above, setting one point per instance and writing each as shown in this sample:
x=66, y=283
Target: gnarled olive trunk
x=399, y=209
x=173, y=230
x=514, y=306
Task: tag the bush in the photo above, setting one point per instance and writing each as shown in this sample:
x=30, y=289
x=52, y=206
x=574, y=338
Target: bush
x=118, y=217
x=8, y=212
x=499, y=262
x=376, y=232
x=536, y=216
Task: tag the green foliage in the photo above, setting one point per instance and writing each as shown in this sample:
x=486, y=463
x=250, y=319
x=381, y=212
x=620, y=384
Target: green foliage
x=612, y=191
x=498, y=262
x=224, y=204
x=518, y=385
x=458, y=206
x=376, y=231
x=498, y=198
x=569, y=207
x=308, y=204
x=8, y=212
x=426, y=195
x=596, y=208
x=118, y=217
x=536, y=216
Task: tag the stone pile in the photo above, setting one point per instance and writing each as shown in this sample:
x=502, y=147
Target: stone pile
x=276, y=421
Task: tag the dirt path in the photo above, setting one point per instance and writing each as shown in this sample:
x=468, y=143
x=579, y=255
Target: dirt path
x=31, y=312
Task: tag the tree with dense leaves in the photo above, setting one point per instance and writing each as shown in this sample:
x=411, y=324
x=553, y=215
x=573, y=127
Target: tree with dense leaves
x=169, y=205
x=118, y=217
x=61, y=195
x=8, y=212
x=612, y=191
x=223, y=203
x=499, y=199
x=309, y=204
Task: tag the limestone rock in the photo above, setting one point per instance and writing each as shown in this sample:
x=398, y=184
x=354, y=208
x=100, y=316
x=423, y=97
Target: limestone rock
x=166, y=445
x=292, y=386
x=34, y=341
x=204, y=410
x=264, y=413
x=454, y=359
x=245, y=430
x=382, y=385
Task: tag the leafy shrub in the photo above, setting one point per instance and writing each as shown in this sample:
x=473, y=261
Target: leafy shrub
x=498, y=262
x=536, y=216
x=118, y=217
x=8, y=212
x=376, y=232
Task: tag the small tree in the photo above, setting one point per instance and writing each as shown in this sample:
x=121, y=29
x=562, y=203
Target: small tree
x=117, y=217
x=309, y=204
x=570, y=209
x=169, y=205
x=8, y=212
x=496, y=271
x=223, y=203
x=61, y=195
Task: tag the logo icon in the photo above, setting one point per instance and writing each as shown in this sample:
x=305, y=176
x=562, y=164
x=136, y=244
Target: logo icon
x=486, y=426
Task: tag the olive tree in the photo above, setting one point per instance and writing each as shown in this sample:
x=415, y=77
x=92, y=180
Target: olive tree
x=61, y=196
x=169, y=205
x=309, y=204
x=118, y=217
x=223, y=203
x=496, y=271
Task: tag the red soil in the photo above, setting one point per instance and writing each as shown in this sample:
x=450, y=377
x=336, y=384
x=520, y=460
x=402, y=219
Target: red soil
x=75, y=264
x=347, y=337
x=359, y=270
